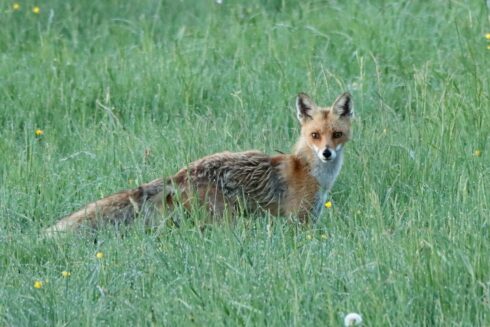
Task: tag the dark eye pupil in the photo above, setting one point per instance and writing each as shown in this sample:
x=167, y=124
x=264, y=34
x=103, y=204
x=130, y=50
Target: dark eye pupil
x=337, y=134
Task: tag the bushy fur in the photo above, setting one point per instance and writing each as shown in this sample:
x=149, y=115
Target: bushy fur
x=287, y=184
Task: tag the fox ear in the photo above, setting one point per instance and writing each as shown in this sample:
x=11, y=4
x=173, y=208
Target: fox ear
x=304, y=107
x=343, y=106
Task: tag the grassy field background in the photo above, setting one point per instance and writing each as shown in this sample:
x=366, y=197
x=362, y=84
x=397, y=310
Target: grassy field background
x=126, y=92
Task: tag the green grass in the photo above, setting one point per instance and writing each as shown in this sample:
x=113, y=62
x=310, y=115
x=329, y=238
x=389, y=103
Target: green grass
x=130, y=91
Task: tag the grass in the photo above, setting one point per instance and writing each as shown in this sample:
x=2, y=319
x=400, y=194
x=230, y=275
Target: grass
x=130, y=91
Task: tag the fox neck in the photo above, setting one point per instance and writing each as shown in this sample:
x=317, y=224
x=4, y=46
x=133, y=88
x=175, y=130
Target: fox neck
x=325, y=172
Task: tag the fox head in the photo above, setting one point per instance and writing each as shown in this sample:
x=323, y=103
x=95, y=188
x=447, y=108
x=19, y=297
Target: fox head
x=325, y=130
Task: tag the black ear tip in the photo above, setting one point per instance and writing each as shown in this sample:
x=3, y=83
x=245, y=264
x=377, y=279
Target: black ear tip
x=303, y=100
x=346, y=95
x=343, y=105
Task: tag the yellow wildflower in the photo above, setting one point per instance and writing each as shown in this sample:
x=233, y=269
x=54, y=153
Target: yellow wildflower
x=36, y=10
x=477, y=153
x=38, y=284
x=487, y=36
x=328, y=204
x=309, y=237
x=99, y=255
x=15, y=6
x=324, y=237
x=39, y=132
x=65, y=273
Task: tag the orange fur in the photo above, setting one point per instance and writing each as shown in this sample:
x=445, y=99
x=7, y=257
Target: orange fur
x=294, y=184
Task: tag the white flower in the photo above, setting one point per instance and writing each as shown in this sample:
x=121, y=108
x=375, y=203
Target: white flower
x=352, y=319
x=219, y=1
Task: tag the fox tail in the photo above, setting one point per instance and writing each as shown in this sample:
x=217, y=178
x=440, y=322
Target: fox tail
x=120, y=207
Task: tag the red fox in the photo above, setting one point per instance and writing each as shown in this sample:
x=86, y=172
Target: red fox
x=286, y=184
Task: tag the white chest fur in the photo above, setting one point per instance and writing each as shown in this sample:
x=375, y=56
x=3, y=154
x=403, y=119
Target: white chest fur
x=325, y=173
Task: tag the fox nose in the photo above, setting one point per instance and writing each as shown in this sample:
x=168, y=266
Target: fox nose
x=327, y=154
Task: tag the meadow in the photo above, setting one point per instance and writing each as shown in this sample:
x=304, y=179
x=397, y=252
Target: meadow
x=99, y=96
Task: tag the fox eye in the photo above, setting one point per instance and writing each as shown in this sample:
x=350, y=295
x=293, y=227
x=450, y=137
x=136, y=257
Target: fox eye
x=336, y=135
x=315, y=135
